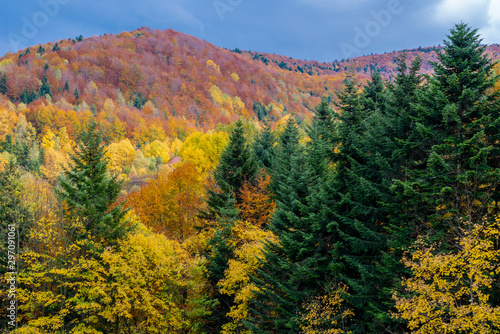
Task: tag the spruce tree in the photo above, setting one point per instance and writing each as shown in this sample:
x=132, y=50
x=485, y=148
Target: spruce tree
x=45, y=88
x=3, y=84
x=264, y=149
x=237, y=165
x=89, y=192
x=292, y=269
x=452, y=182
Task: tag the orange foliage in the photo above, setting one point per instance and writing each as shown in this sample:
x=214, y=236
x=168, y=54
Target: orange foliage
x=170, y=204
x=256, y=204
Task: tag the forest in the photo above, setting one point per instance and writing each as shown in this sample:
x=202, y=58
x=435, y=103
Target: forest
x=154, y=183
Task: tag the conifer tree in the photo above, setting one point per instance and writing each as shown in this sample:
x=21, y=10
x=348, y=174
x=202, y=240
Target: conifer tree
x=454, y=180
x=237, y=165
x=3, y=83
x=263, y=148
x=45, y=88
x=89, y=192
x=293, y=268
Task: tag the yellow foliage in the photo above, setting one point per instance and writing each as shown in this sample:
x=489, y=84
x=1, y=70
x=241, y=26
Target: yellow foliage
x=147, y=284
x=235, y=77
x=327, y=314
x=213, y=66
x=247, y=240
x=54, y=164
x=157, y=149
x=49, y=139
x=448, y=292
x=204, y=150
x=120, y=155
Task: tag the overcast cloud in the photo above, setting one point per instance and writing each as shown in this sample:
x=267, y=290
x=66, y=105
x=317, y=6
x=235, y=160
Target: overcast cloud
x=323, y=30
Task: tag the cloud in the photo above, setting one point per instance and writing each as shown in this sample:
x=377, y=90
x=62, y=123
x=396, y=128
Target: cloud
x=473, y=12
x=491, y=33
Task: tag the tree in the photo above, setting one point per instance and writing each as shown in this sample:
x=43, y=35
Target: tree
x=237, y=165
x=89, y=193
x=3, y=84
x=264, y=149
x=454, y=178
x=292, y=268
x=45, y=88
x=450, y=292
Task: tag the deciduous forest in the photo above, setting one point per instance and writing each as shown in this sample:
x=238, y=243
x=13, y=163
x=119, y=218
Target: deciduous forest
x=151, y=182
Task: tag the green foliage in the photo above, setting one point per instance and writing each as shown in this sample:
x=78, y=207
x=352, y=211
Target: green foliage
x=45, y=88
x=89, y=193
x=237, y=165
x=3, y=83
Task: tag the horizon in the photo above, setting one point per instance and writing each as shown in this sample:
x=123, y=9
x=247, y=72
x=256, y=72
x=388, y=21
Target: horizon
x=301, y=29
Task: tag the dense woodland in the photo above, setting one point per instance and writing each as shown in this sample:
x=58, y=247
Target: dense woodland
x=155, y=183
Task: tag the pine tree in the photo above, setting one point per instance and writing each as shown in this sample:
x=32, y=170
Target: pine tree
x=452, y=182
x=76, y=94
x=45, y=88
x=3, y=84
x=89, y=193
x=263, y=148
x=237, y=165
x=293, y=269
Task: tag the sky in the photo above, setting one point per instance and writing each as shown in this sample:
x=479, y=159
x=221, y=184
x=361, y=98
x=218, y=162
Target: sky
x=323, y=30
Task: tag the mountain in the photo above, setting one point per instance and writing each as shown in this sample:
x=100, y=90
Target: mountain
x=176, y=81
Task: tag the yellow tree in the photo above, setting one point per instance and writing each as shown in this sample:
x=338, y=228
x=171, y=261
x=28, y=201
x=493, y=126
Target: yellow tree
x=449, y=292
x=170, y=203
x=120, y=155
x=204, y=150
x=248, y=242
x=327, y=314
x=157, y=149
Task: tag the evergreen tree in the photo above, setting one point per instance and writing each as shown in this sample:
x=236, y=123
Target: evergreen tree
x=45, y=88
x=3, y=84
x=76, y=94
x=56, y=47
x=263, y=148
x=452, y=182
x=66, y=86
x=293, y=269
x=89, y=192
x=237, y=165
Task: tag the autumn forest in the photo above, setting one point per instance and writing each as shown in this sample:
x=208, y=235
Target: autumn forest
x=151, y=182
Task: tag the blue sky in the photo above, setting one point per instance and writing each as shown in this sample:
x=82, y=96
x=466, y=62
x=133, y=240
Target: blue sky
x=323, y=30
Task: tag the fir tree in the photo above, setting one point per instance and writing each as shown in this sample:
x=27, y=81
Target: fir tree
x=56, y=47
x=293, y=269
x=3, y=84
x=89, y=192
x=237, y=165
x=453, y=181
x=45, y=88
x=263, y=148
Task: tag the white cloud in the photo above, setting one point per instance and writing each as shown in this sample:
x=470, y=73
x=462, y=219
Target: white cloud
x=454, y=11
x=491, y=33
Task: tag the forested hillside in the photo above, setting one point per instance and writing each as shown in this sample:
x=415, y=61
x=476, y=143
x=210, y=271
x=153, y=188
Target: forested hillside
x=151, y=182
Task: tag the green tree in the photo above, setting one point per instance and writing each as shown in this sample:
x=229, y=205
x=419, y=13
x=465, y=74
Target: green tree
x=293, y=268
x=88, y=191
x=264, y=149
x=45, y=88
x=454, y=177
x=3, y=83
x=237, y=165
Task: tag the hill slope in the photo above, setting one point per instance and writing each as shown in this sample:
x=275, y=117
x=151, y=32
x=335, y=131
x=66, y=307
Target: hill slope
x=177, y=80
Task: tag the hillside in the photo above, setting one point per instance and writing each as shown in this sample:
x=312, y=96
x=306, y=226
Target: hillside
x=173, y=83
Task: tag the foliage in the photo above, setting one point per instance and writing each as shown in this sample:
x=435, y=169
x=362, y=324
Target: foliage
x=88, y=192
x=449, y=292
